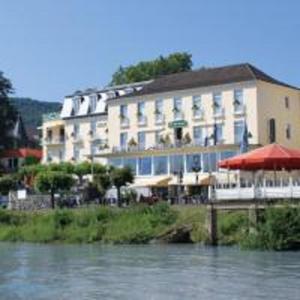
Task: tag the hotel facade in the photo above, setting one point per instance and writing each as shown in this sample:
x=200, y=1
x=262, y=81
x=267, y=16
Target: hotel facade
x=173, y=130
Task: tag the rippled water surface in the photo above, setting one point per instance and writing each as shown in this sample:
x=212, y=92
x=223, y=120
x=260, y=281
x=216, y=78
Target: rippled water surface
x=145, y=272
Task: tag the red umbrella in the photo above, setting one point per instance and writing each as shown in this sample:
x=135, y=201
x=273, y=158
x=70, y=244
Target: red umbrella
x=270, y=157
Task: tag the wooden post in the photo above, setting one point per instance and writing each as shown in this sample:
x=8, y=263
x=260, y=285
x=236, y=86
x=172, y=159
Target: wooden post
x=211, y=224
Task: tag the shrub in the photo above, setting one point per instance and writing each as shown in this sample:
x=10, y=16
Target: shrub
x=62, y=218
x=279, y=231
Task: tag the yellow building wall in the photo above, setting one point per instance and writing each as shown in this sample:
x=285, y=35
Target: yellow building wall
x=83, y=141
x=249, y=94
x=271, y=104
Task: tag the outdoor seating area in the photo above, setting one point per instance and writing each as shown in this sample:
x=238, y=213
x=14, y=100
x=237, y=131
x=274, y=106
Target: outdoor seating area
x=269, y=172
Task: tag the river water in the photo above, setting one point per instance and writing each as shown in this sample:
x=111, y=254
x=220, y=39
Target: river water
x=146, y=272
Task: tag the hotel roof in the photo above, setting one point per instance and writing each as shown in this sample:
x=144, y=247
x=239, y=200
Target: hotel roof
x=206, y=77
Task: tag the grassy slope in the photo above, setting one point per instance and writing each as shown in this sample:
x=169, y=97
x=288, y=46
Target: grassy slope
x=139, y=224
x=279, y=229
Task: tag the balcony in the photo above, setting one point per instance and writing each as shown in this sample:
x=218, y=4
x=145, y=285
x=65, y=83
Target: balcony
x=159, y=119
x=198, y=114
x=124, y=122
x=178, y=115
x=54, y=141
x=76, y=138
x=219, y=113
x=142, y=120
x=239, y=110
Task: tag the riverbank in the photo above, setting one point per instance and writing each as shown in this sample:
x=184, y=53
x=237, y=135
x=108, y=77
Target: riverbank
x=279, y=228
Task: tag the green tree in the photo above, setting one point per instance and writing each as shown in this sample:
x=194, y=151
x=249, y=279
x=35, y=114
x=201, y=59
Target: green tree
x=31, y=160
x=145, y=70
x=7, y=183
x=120, y=177
x=65, y=167
x=8, y=114
x=81, y=169
x=103, y=182
x=28, y=173
x=53, y=182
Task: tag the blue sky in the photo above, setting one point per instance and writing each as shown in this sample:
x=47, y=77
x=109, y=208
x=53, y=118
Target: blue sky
x=51, y=48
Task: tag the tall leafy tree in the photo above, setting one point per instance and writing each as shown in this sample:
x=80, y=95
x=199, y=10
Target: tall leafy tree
x=120, y=177
x=53, y=182
x=8, y=114
x=145, y=70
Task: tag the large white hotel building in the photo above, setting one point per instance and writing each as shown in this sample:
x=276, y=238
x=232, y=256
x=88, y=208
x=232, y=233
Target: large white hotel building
x=177, y=124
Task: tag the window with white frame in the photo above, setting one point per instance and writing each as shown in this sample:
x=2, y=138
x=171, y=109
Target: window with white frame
x=157, y=137
x=238, y=131
x=177, y=108
x=123, y=140
x=238, y=100
x=76, y=105
x=93, y=103
x=141, y=140
x=218, y=133
x=197, y=111
x=93, y=128
x=217, y=103
x=141, y=112
x=61, y=155
x=159, y=111
x=76, y=153
x=124, y=114
x=76, y=130
x=288, y=131
x=198, y=135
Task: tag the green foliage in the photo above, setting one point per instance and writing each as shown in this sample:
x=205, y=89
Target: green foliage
x=138, y=224
x=145, y=70
x=232, y=227
x=8, y=114
x=31, y=160
x=33, y=110
x=121, y=176
x=279, y=231
x=102, y=182
x=31, y=170
x=7, y=183
x=65, y=167
x=53, y=181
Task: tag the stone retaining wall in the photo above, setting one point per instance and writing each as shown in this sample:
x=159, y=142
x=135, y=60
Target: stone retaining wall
x=32, y=202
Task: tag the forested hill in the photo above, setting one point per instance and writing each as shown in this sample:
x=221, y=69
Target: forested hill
x=31, y=111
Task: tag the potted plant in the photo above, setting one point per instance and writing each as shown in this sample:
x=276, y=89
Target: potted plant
x=132, y=142
x=187, y=139
x=195, y=107
x=157, y=111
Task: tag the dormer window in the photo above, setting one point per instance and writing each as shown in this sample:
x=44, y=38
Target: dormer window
x=76, y=105
x=93, y=103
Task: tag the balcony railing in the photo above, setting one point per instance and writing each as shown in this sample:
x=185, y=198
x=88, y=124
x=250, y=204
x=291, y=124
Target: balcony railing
x=125, y=122
x=178, y=115
x=142, y=120
x=198, y=113
x=159, y=146
x=55, y=141
x=239, y=109
x=219, y=113
x=159, y=119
